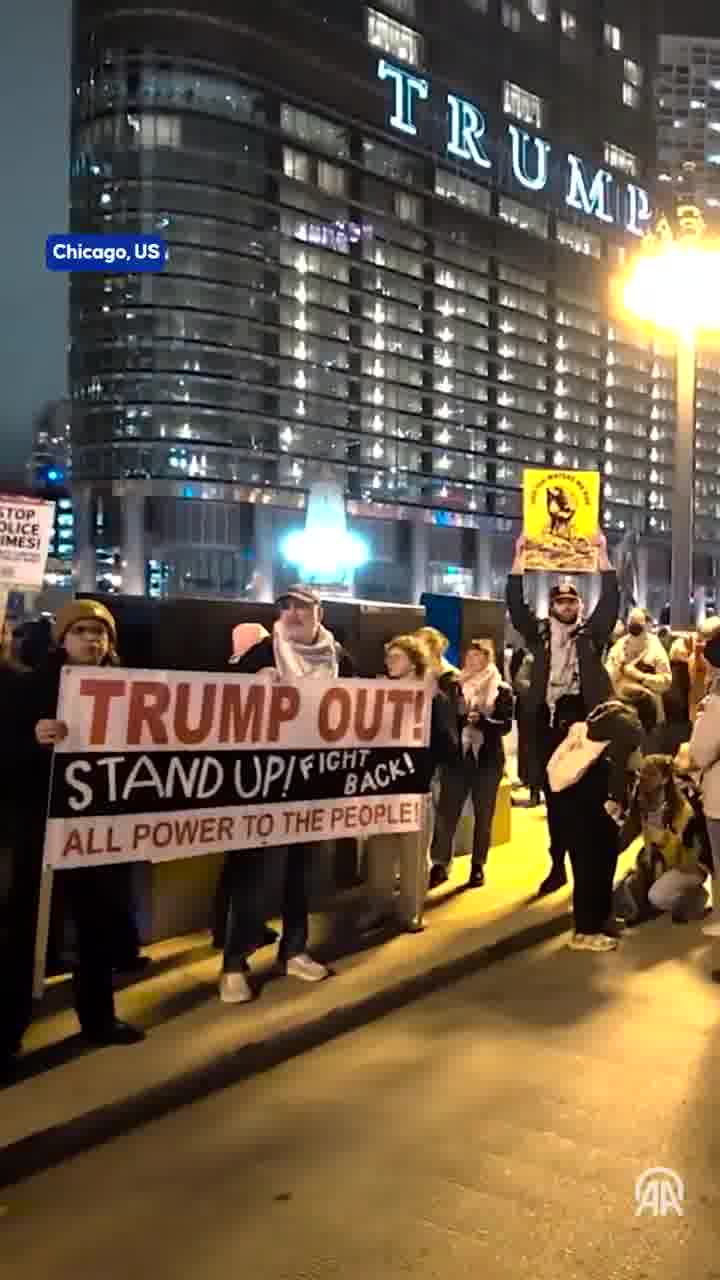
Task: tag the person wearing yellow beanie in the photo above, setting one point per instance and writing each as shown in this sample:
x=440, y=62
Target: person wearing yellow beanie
x=85, y=633
x=77, y=611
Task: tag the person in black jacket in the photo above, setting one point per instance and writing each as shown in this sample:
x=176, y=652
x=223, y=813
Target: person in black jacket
x=569, y=678
x=85, y=634
x=520, y=672
x=485, y=709
x=407, y=852
x=299, y=648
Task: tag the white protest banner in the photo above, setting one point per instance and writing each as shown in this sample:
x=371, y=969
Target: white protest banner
x=25, y=531
x=160, y=765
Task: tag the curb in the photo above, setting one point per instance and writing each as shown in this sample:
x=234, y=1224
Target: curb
x=44, y=1150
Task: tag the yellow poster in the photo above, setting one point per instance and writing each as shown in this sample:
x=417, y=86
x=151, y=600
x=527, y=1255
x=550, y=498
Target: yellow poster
x=561, y=516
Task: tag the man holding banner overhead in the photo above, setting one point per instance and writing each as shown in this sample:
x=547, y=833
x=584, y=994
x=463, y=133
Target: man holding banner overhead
x=569, y=678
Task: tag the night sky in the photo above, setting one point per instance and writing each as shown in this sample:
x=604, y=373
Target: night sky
x=692, y=17
x=34, y=144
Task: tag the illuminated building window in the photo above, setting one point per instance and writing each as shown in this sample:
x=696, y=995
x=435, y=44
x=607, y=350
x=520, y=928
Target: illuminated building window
x=631, y=96
x=568, y=24
x=522, y=104
x=579, y=240
x=315, y=131
x=320, y=173
x=394, y=38
x=156, y=131
x=613, y=37
x=331, y=178
x=539, y=9
x=389, y=162
x=618, y=158
x=511, y=16
x=403, y=8
x=520, y=215
x=296, y=164
x=634, y=73
x=408, y=207
x=452, y=187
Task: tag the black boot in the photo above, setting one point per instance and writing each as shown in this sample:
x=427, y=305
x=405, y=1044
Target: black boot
x=477, y=878
x=557, y=879
x=438, y=876
x=115, y=1032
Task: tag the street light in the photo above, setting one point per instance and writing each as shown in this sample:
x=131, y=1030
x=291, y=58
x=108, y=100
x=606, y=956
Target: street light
x=674, y=284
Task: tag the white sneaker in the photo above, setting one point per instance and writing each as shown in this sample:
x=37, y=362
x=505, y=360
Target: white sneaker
x=592, y=942
x=235, y=988
x=307, y=969
x=712, y=928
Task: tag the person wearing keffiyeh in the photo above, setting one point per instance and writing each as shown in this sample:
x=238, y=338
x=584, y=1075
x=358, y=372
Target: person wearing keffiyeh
x=485, y=708
x=300, y=648
x=569, y=678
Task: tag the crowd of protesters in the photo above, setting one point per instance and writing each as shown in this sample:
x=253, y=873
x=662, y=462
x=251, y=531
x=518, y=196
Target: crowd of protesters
x=621, y=728
x=619, y=732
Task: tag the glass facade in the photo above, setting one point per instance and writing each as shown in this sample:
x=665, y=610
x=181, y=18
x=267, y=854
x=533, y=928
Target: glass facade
x=333, y=298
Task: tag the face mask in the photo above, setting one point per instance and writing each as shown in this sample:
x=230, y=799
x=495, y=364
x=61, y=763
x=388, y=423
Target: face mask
x=636, y=629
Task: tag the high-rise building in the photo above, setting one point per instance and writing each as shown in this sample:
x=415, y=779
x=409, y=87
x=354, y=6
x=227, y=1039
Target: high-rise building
x=49, y=473
x=688, y=107
x=391, y=231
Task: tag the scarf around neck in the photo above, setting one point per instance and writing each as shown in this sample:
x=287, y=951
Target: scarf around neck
x=295, y=661
x=635, y=646
x=479, y=694
x=480, y=691
x=564, y=675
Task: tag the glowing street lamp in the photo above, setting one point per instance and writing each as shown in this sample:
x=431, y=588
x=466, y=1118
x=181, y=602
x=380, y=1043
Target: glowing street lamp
x=674, y=285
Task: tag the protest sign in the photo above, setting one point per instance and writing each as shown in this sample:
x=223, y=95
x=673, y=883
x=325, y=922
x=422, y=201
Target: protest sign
x=25, y=532
x=561, y=516
x=160, y=765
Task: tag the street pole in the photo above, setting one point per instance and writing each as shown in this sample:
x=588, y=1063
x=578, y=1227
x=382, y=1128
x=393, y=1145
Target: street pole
x=683, y=512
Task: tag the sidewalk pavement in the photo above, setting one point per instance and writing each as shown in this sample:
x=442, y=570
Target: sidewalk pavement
x=65, y=1098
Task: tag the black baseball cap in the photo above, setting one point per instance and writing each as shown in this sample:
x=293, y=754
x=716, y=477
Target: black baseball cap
x=303, y=594
x=564, y=590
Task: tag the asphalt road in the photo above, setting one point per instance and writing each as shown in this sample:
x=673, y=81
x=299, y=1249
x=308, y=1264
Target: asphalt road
x=495, y=1128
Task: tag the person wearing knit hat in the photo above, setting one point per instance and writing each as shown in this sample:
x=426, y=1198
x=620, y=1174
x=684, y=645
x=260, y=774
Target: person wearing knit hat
x=299, y=648
x=81, y=611
x=86, y=635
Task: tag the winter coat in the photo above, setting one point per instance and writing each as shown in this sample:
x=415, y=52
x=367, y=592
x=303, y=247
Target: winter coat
x=11, y=776
x=493, y=727
x=444, y=734
x=36, y=699
x=262, y=656
x=653, y=663
x=705, y=753
x=592, y=638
